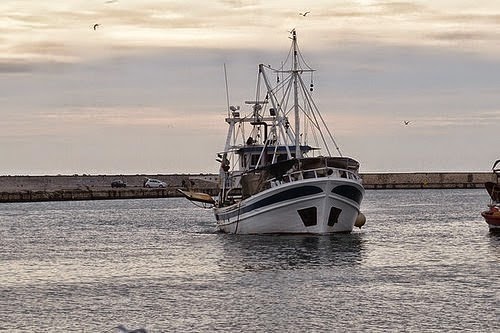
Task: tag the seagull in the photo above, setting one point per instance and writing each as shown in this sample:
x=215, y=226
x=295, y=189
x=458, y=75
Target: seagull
x=122, y=329
x=407, y=122
x=96, y=25
x=304, y=14
x=111, y=1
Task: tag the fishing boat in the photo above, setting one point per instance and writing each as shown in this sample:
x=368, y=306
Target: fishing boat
x=278, y=173
x=492, y=215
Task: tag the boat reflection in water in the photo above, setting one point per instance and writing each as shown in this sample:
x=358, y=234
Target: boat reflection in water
x=286, y=252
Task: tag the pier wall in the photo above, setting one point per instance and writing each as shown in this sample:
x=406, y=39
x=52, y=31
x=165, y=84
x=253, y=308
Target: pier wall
x=81, y=194
x=430, y=180
x=98, y=187
x=63, y=182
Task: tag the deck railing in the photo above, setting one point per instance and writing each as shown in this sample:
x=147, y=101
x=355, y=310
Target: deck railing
x=235, y=194
x=314, y=173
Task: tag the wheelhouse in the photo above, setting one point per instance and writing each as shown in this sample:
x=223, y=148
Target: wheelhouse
x=256, y=156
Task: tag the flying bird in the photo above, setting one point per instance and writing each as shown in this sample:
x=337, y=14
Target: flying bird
x=96, y=25
x=304, y=14
x=111, y=1
x=122, y=329
x=407, y=122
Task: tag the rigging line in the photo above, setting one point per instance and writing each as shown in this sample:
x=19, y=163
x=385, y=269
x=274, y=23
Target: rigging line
x=312, y=126
x=227, y=90
x=285, y=142
x=313, y=129
x=307, y=121
x=323, y=121
x=309, y=100
x=289, y=137
x=237, y=131
x=204, y=206
x=270, y=68
x=242, y=132
x=274, y=153
x=315, y=138
x=303, y=60
x=283, y=63
x=262, y=152
x=299, y=53
x=272, y=93
x=238, y=218
x=282, y=74
x=281, y=84
x=281, y=110
x=314, y=122
x=286, y=97
x=257, y=90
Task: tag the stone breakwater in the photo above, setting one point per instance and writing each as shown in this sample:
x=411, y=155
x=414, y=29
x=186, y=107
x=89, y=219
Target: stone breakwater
x=98, y=187
x=427, y=180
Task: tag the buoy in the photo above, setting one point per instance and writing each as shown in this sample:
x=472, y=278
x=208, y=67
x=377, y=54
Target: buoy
x=360, y=220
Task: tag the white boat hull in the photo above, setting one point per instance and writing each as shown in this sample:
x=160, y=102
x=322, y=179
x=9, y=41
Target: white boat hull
x=315, y=206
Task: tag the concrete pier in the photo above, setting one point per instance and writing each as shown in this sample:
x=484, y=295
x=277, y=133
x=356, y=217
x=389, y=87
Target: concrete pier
x=426, y=180
x=98, y=187
x=82, y=194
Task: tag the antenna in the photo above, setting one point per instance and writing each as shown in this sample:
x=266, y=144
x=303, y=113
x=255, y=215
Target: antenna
x=227, y=90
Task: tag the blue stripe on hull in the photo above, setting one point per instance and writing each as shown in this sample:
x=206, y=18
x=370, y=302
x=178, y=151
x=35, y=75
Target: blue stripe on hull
x=292, y=193
x=349, y=192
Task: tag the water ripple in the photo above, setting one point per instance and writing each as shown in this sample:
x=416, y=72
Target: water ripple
x=424, y=262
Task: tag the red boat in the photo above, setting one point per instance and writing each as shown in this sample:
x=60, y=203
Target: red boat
x=492, y=215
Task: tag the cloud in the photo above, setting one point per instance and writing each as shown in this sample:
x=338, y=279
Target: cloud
x=450, y=120
x=239, y=3
x=64, y=33
x=151, y=78
x=397, y=8
x=375, y=10
x=474, y=19
x=454, y=36
x=15, y=67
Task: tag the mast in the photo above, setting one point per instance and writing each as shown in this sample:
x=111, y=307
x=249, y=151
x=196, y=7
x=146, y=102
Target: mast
x=295, y=73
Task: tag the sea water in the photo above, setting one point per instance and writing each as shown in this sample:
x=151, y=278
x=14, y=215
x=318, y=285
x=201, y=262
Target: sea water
x=424, y=262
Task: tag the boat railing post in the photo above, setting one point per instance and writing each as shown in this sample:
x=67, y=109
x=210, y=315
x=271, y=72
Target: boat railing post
x=336, y=171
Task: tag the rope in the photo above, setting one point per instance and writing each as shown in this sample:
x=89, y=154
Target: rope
x=238, y=218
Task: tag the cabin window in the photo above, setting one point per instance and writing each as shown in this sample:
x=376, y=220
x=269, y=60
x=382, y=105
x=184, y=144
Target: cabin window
x=255, y=159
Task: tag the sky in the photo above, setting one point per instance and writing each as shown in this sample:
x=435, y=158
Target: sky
x=144, y=92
